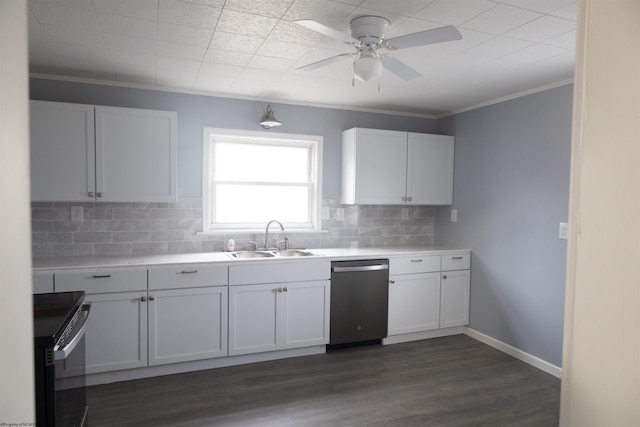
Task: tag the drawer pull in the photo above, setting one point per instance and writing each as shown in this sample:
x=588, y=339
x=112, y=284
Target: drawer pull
x=444, y=276
x=456, y=257
x=152, y=298
x=143, y=299
x=417, y=260
x=189, y=271
x=101, y=276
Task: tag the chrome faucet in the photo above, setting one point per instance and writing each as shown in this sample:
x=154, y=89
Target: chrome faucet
x=266, y=232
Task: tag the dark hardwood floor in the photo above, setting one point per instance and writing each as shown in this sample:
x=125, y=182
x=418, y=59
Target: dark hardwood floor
x=450, y=381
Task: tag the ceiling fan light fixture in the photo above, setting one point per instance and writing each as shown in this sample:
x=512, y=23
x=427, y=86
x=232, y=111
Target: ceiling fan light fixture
x=269, y=120
x=367, y=68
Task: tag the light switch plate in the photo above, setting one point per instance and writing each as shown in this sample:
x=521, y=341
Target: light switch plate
x=454, y=215
x=563, y=231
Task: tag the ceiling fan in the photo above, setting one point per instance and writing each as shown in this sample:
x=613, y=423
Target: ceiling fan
x=368, y=36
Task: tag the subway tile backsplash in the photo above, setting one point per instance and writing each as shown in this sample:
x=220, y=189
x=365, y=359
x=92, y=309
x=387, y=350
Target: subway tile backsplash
x=167, y=228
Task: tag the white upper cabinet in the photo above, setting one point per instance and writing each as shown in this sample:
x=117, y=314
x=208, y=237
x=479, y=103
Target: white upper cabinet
x=84, y=153
x=381, y=167
x=62, y=151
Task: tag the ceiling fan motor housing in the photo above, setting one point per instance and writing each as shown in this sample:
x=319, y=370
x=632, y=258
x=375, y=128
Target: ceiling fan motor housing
x=369, y=30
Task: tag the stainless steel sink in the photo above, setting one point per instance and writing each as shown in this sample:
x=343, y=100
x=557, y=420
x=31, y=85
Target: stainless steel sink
x=270, y=253
x=252, y=254
x=294, y=252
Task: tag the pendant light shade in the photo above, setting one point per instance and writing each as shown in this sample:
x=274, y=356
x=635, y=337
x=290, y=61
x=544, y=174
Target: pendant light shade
x=269, y=120
x=367, y=68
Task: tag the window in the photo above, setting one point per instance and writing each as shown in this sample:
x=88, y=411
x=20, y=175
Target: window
x=250, y=178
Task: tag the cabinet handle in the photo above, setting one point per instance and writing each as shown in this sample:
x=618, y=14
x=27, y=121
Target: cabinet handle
x=91, y=194
x=99, y=194
x=392, y=281
x=409, y=199
x=417, y=260
x=456, y=257
x=444, y=276
x=152, y=298
x=188, y=271
x=278, y=289
x=143, y=299
x=285, y=289
x=101, y=276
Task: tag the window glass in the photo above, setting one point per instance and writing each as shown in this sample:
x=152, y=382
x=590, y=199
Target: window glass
x=251, y=178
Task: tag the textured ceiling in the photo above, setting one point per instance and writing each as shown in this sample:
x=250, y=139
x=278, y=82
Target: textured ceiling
x=251, y=48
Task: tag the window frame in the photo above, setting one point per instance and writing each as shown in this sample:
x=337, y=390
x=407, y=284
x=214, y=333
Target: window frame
x=314, y=144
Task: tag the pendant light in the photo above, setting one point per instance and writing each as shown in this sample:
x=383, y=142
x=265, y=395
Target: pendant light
x=269, y=120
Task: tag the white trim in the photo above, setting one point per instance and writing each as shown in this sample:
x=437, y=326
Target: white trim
x=507, y=98
x=199, y=365
x=313, y=142
x=424, y=335
x=229, y=96
x=534, y=361
x=299, y=103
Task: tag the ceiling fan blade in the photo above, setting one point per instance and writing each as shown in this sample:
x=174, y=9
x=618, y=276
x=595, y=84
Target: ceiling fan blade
x=325, y=62
x=399, y=68
x=436, y=35
x=327, y=31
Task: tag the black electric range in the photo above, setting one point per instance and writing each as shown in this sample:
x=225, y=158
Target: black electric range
x=59, y=321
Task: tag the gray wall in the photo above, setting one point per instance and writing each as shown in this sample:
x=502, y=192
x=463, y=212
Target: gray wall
x=196, y=112
x=511, y=190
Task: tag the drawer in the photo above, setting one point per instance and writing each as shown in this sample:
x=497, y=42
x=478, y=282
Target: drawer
x=103, y=280
x=188, y=276
x=414, y=264
x=456, y=262
x=42, y=282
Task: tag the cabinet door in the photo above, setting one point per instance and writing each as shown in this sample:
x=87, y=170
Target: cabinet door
x=454, y=304
x=306, y=314
x=187, y=324
x=414, y=303
x=430, y=169
x=135, y=155
x=116, y=334
x=379, y=159
x=253, y=318
x=62, y=152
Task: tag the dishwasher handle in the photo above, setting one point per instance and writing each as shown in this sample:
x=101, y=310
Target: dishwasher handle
x=374, y=267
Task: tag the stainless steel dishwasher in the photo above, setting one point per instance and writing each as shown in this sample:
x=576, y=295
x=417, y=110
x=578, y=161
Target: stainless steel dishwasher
x=359, y=301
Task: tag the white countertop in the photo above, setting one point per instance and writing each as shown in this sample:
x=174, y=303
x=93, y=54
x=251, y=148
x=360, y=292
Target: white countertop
x=210, y=257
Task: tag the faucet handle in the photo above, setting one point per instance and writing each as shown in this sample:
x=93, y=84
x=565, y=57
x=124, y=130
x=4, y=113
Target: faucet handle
x=286, y=243
x=255, y=245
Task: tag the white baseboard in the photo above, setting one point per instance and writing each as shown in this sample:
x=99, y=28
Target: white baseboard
x=425, y=335
x=517, y=353
x=179, y=368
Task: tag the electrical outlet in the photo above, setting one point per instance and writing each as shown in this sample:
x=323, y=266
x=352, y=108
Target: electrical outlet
x=563, y=231
x=340, y=214
x=326, y=212
x=454, y=215
x=76, y=214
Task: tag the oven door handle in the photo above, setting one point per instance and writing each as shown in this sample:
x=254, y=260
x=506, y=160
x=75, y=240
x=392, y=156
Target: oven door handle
x=64, y=352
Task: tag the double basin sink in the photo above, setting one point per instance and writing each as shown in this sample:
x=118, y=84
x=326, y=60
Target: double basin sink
x=275, y=253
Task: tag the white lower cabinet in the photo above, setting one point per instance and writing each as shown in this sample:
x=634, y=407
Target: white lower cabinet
x=414, y=303
x=278, y=316
x=187, y=324
x=116, y=335
x=428, y=292
x=454, y=298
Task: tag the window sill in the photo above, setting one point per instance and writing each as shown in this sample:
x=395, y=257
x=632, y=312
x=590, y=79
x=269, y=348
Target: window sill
x=259, y=231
